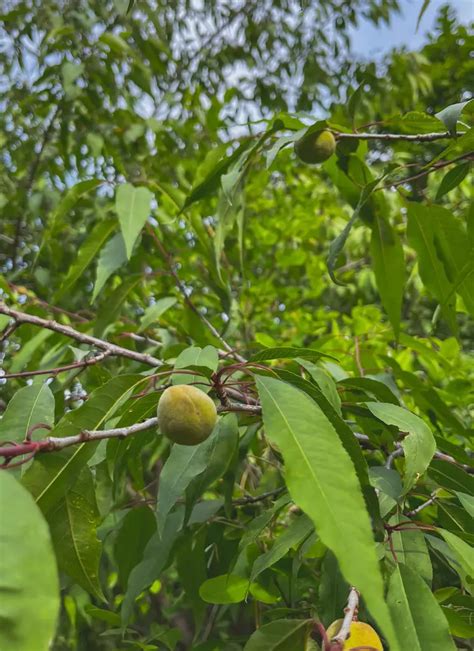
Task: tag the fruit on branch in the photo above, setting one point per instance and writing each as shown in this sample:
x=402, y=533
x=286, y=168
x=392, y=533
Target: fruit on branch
x=361, y=636
x=315, y=147
x=186, y=415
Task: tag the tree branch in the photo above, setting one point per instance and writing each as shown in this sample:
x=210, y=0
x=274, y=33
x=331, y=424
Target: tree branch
x=53, y=444
x=88, y=361
x=349, y=617
x=394, y=137
x=67, y=331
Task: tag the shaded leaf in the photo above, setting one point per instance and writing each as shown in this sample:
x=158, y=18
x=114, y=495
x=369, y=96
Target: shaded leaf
x=111, y=258
x=421, y=624
x=281, y=635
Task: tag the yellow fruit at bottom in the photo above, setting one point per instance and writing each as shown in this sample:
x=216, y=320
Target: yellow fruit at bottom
x=361, y=635
x=186, y=415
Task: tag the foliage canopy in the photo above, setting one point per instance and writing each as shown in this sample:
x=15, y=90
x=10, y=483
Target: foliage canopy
x=158, y=230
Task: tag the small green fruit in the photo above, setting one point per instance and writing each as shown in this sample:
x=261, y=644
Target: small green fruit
x=315, y=148
x=186, y=415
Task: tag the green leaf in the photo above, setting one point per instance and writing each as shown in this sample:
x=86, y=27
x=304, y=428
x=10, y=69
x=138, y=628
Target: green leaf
x=29, y=604
x=451, y=477
x=281, y=635
x=389, y=268
x=220, y=452
x=325, y=383
x=133, y=208
x=112, y=256
x=419, y=446
x=286, y=352
x=184, y=464
x=155, y=311
x=87, y=253
x=411, y=549
x=333, y=590
x=29, y=406
x=73, y=523
x=295, y=533
x=464, y=555
x=156, y=555
x=424, y=7
x=51, y=475
x=129, y=546
x=451, y=114
x=322, y=481
x=224, y=589
x=68, y=202
x=421, y=624
x=369, y=387
x=27, y=351
x=204, y=360
x=467, y=501
x=337, y=245
x=452, y=179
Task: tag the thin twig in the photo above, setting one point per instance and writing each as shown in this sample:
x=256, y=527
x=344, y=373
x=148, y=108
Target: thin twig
x=433, y=168
x=67, y=331
x=349, y=617
x=252, y=499
x=424, y=505
x=88, y=361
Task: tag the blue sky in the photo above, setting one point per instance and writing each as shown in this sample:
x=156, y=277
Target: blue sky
x=370, y=41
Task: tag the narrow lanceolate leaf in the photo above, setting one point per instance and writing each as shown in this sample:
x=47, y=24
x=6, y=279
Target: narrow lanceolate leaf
x=69, y=200
x=86, y=254
x=73, y=524
x=29, y=587
x=411, y=549
x=155, y=311
x=322, y=480
x=338, y=244
x=31, y=405
x=111, y=258
x=421, y=623
x=51, y=475
x=419, y=446
x=281, y=635
x=293, y=536
x=452, y=179
x=156, y=556
x=464, y=555
x=389, y=267
x=439, y=239
x=133, y=208
x=184, y=464
x=128, y=547
x=287, y=352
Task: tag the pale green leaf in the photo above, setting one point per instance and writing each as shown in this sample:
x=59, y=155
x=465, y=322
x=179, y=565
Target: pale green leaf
x=29, y=406
x=467, y=501
x=451, y=114
x=133, y=208
x=87, y=253
x=224, y=589
x=155, y=311
x=112, y=256
x=322, y=480
x=29, y=603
